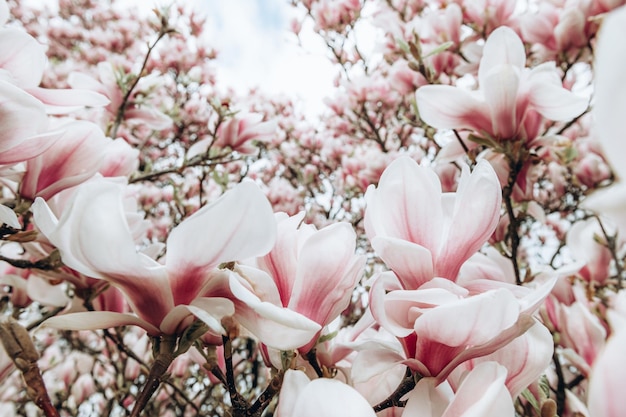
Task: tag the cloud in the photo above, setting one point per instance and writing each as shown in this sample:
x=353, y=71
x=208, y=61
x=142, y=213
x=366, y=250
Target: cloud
x=257, y=49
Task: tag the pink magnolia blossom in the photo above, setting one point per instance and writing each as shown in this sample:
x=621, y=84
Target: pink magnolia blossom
x=482, y=393
x=76, y=156
x=237, y=132
x=526, y=358
x=441, y=325
x=315, y=271
x=25, y=133
x=93, y=229
x=107, y=85
x=420, y=232
x=512, y=98
x=22, y=63
x=320, y=397
x=584, y=246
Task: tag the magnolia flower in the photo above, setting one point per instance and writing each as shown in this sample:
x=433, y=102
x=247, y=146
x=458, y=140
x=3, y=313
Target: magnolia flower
x=93, y=230
x=512, y=98
x=442, y=325
x=420, y=232
x=481, y=393
x=526, y=358
x=302, y=397
x=22, y=63
x=75, y=158
x=314, y=271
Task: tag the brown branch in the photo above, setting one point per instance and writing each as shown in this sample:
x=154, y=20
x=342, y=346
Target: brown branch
x=126, y=100
x=407, y=384
x=162, y=361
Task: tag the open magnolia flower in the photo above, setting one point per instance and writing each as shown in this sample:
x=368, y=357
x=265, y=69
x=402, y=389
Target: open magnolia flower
x=442, y=325
x=512, y=99
x=94, y=238
x=314, y=271
x=421, y=232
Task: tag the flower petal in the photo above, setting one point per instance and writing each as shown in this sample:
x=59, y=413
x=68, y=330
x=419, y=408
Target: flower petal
x=238, y=225
x=503, y=47
x=610, y=90
x=448, y=107
x=94, y=320
x=412, y=263
x=275, y=326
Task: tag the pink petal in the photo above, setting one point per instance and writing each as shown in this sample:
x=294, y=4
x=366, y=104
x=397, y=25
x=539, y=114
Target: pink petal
x=371, y=362
x=406, y=204
x=605, y=396
x=412, y=263
x=29, y=148
x=91, y=232
x=22, y=56
x=22, y=116
x=209, y=310
x=323, y=397
x=473, y=219
x=550, y=99
x=503, y=48
x=293, y=384
x=94, y=320
x=66, y=100
x=327, y=273
x=150, y=117
x=448, y=107
x=75, y=157
x=482, y=394
x=238, y=225
x=426, y=400
x=526, y=358
x=8, y=217
x=275, y=326
x=282, y=261
x=470, y=321
x=500, y=88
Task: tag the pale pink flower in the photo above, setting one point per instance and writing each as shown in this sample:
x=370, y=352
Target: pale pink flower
x=299, y=396
x=482, y=393
x=583, y=332
x=526, y=358
x=441, y=325
x=107, y=85
x=22, y=63
x=582, y=240
x=421, y=232
x=238, y=132
x=25, y=132
x=93, y=230
x=314, y=271
x=512, y=98
x=76, y=157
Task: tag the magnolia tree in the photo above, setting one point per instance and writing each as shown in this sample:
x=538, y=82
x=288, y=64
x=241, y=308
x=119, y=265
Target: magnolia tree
x=446, y=239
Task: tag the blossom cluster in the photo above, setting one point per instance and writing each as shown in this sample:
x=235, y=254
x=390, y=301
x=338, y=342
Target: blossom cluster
x=447, y=239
